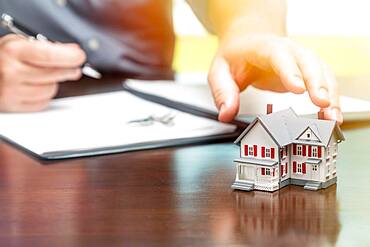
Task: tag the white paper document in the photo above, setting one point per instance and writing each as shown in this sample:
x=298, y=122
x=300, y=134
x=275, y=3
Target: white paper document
x=96, y=124
x=252, y=101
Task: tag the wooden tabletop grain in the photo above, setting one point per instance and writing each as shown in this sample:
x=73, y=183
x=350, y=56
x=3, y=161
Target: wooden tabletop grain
x=178, y=197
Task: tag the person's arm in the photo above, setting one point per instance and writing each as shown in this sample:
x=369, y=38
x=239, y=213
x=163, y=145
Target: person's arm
x=254, y=51
x=253, y=16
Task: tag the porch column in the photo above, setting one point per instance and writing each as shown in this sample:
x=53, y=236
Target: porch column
x=237, y=170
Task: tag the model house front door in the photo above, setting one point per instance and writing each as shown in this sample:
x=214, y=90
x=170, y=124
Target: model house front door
x=315, y=172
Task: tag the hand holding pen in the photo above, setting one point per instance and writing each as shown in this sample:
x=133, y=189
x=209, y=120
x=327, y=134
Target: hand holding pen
x=30, y=71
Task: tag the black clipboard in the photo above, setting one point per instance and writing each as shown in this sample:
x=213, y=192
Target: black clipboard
x=194, y=110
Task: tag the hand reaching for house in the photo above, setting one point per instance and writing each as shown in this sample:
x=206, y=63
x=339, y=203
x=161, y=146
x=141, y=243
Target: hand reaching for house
x=270, y=62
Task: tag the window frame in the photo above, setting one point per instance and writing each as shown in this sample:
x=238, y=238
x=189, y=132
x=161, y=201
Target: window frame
x=250, y=151
x=267, y=172
x=299, y=150
x=314, y=152
x=267, y=152
x=315, y=167
x=299, y=168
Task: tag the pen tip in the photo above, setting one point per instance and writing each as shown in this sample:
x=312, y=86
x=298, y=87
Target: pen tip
x=89, y=71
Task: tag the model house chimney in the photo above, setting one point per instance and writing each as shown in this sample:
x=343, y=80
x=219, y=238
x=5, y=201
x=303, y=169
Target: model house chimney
x=269, y=109
x=320, y=114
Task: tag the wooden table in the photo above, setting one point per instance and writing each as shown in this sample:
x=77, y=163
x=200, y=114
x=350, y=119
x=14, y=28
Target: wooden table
x=178, y=197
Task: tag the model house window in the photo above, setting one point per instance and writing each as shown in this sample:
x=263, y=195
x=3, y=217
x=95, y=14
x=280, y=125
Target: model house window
x=299, y=168
x=268, y=172
x=268, y=152
x=314, y=167
x=308, y=135
x=328, y=148
x=299, y=149
x=250, y=151
x=314, y=151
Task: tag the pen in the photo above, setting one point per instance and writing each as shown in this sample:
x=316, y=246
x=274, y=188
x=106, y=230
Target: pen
x=8, y=22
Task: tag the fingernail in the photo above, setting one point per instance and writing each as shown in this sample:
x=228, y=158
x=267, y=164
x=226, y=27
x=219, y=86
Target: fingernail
x=220, y=112
x=337, y=115
x=298, y=82
x=323, y=94
x=228, y=103
x=222, y=108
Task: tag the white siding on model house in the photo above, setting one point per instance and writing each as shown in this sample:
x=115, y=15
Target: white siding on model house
x=257, y=135
x=284, y=161
x=299, y=159
x=329, y=170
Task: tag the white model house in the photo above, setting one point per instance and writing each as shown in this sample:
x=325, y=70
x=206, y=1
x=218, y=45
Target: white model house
x=282, y=148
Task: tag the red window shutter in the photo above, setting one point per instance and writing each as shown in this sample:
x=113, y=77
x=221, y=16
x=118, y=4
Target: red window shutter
x=263, y=171
x=281, y=169
x=246, y=150
x=319, y=152
x=263, y=152
x=304, y=150
x=304, y=168
x=255, y=150
x=309, y=151
x=294, y=166
x=286, y=167
x=272, y=150
x=294, y=149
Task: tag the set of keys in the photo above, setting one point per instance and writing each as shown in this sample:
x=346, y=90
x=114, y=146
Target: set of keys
x=167, y=119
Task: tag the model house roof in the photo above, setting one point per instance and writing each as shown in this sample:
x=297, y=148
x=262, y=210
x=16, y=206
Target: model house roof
x=286, y=127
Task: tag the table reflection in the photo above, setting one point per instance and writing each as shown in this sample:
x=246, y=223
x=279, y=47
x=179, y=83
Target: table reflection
x=156, y=198
x=292, y=216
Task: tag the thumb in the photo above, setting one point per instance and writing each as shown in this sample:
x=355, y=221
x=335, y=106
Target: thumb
x=224, y=90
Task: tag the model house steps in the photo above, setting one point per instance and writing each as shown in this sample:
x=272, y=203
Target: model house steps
x=243, y=186
x=312, y=185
